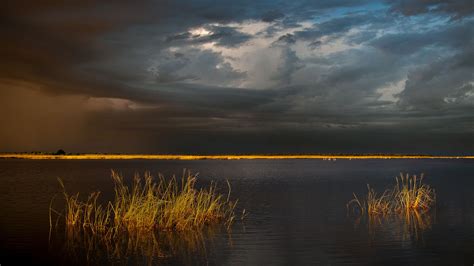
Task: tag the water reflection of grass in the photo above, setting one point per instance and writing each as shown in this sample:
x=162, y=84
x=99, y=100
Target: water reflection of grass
x=151, y=248
x=149, y=218
x=408, y=226
x=405, y=209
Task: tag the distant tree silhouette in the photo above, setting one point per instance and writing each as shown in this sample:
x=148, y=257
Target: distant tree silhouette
x=60, y=152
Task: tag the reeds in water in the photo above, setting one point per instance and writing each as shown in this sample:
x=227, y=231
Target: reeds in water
x=373, y=203
x=409, y=194
x=169, y=205
x=412, y=194
x=149, y=204
x=406, y=206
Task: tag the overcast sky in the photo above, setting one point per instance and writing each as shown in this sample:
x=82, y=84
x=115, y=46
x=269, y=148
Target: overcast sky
x=240, y=76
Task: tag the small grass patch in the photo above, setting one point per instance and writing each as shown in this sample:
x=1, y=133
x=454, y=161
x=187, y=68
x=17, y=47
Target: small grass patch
x=405, y=208
x=408, y=194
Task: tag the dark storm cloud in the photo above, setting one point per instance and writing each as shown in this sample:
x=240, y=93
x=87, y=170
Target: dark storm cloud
x=44, y=42
x=290, y=64
x=455, y=8
x=315, y=44
x=443, y=84
x=237, y=76
x=47, y=40
x=459, y=36
x=272, y=15
x=287, y=38
x=337, y=26
x=225, y=36
x=194, y=65
x=221, y=35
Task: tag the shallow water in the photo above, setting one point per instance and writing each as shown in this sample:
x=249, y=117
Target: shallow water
x=297, y=214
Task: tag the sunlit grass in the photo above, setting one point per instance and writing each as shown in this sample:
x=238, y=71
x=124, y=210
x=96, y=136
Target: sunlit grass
x=406, y=206
x=373, y=203
x=143, y=217
x=408, y=194
x=411, y=193
x=148, y=205
x=169, y=205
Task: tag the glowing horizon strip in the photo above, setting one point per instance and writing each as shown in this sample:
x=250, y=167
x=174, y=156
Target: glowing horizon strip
x=219, y=157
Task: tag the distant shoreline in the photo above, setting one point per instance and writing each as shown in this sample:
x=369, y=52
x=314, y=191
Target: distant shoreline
x=217, y=157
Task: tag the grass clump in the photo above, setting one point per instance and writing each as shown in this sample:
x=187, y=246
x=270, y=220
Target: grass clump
x=373, y=203
x=148, y=205
x=409, y=194
x=404, y=208
x=169, y=205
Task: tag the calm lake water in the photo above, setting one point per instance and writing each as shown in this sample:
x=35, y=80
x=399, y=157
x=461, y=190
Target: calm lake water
x=297, y=214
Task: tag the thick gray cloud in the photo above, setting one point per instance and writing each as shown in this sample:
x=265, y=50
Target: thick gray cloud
x=221, y=35
x=193, y=65
x=272, y=15
x=444, y=84
x=458, y=36
x=455, y=8
x=238, y=76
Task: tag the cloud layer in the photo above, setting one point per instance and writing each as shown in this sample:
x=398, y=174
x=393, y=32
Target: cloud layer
x=238, y=76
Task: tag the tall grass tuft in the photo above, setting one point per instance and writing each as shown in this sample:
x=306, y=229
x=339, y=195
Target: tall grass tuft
x=168, y=205
x=406, y=207
x=148, y=205
x=409, y=194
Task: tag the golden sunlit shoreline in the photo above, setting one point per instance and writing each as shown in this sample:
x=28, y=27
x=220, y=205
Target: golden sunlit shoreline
x=217, y=157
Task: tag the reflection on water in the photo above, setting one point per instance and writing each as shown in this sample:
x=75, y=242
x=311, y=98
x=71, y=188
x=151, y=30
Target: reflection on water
x=297, y=215
x=403, y=211
x=151, y=221
x=126, y=247
x=403, y=227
